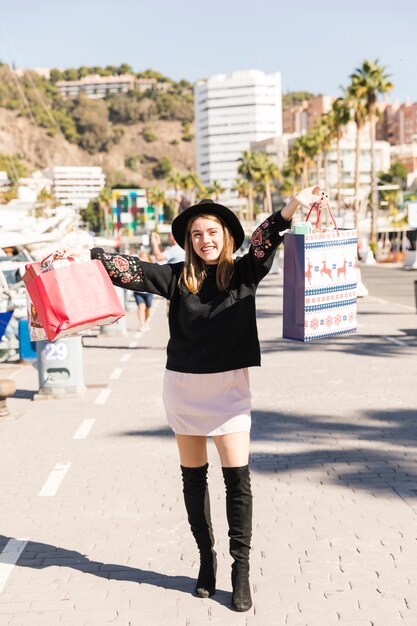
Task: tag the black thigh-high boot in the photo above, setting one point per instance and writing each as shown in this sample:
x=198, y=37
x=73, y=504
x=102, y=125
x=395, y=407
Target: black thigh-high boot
x=239, y=517
x=197, y=503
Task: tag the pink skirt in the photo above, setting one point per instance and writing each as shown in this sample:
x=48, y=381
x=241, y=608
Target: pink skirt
x=208, y=404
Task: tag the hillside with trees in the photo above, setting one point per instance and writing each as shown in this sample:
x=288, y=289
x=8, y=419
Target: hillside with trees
x=134, y=136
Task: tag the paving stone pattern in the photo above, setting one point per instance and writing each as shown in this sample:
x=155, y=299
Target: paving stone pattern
x=334, y=467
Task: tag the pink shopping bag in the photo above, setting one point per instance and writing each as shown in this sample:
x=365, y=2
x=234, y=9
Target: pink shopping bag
x=72, y=297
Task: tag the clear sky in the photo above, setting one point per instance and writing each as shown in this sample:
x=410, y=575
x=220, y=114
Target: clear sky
x=315, y=44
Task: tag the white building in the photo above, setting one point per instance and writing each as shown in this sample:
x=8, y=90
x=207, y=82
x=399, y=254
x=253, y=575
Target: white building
x=278, y=148
x=275, y=147
x=231, y=111
x=348, y=159
x=29, y=187
x=76, y=186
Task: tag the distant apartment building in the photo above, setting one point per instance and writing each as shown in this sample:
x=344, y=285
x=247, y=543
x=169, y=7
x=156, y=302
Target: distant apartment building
x=302, y=117
x=76, y=186
x=348, y=159
x=96, y=86
x=277, y=149
x=146, y=84
x=274, y=147
x=406, y=153
x=398, y=123
x=231, y=111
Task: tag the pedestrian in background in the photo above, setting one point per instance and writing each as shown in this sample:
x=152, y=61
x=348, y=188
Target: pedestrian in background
x=213, y=341
x=172, y=253
x=144, y=301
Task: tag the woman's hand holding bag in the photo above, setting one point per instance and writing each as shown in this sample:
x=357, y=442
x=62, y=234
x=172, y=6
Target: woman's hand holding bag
x=308, y=196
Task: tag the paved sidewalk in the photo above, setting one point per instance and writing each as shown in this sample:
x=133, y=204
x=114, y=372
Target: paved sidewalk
x=334, y=467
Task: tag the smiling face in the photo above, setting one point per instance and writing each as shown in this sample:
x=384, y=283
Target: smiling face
x=207, y=238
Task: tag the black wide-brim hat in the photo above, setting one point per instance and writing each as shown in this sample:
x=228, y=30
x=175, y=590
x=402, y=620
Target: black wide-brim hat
x=208, y=207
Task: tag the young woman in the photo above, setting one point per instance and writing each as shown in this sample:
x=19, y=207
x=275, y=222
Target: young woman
x=213, y=340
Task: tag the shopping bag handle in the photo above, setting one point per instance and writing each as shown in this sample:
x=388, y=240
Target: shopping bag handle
x=318, y=207
x=55, y=256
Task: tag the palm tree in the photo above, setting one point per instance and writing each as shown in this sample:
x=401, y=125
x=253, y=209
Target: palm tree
x=326, y=137
x=247, y=171
x=318, y=134
x=192, y=183
x=370, y=80
x=156, y=198
x=308, y=145
x=340, y=116
x=241, y=187
x=105, y=205
x=293, y=167
x=266, y=171
x=360, y=117
x=287, y=188
x=45, y=198
x=175, y=180
x=201, y=192
x=215, y=189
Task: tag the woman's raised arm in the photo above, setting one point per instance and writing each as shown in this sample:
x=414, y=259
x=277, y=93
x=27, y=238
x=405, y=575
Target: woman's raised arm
x=130, y=272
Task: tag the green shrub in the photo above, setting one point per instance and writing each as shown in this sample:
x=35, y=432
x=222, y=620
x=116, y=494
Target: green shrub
x=162, y=168
x=131, y=162
x=148, y=135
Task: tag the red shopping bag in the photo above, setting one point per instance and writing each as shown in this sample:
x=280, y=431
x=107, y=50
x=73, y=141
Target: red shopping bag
x=72, y=298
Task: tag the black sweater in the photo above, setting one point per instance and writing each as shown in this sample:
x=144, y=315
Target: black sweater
x=211, y=331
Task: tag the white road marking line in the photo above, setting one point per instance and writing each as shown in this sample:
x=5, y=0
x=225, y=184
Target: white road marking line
x=133, y=344
x=13, y=374
x=397, y=342
x=84, y=429
x=54, y=479
x=125, y=358
x=116, y=373
x=9, y=557
x=103, y=396
x=403, y=306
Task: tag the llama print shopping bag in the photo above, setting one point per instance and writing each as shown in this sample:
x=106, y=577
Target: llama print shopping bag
x=320, y=280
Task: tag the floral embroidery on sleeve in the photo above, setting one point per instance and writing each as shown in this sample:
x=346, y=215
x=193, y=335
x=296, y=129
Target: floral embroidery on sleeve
x=261, y=238
x=123, y=270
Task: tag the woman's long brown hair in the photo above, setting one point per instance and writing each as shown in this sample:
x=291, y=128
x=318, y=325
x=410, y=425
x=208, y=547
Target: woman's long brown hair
x=195, y=270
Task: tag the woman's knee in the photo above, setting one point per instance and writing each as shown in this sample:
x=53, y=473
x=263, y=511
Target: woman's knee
x=233, y=449
x=192, y=450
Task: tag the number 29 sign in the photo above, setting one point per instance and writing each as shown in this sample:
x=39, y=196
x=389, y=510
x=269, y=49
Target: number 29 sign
x=57, y=351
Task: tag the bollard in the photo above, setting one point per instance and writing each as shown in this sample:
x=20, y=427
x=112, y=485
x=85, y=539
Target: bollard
x=60, y=368
x=7, y=389
x=361, y=290
x=27, y=348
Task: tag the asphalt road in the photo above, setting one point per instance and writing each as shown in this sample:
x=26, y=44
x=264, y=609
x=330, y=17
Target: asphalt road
x=93, y=526
x=391, y=283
